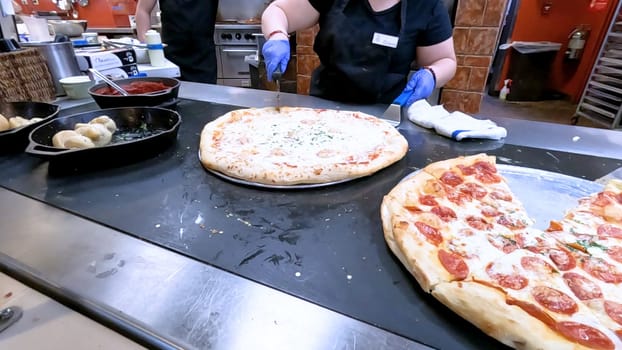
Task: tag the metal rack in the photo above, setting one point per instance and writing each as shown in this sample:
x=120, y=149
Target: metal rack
x=601, y=101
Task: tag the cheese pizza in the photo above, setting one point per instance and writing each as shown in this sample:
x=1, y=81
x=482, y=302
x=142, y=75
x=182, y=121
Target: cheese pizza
x=458, y=228
x=292, y=146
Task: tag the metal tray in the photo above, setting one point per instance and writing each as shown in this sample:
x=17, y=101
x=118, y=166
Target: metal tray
x=141, y=132
x=15, y=140
x=545, y=195
x=262, y=185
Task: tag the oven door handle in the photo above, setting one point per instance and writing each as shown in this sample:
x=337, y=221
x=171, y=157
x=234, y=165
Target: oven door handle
x=246, y=51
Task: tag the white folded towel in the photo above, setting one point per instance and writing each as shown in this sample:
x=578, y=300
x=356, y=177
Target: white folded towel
x=455, y=125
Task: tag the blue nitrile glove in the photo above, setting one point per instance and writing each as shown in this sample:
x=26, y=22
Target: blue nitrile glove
x=421, y=84
x=275, y=54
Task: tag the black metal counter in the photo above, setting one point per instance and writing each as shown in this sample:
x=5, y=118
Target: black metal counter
x=323, y=245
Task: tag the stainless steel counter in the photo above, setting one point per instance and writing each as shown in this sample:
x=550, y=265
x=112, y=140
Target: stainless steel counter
x=165, y=299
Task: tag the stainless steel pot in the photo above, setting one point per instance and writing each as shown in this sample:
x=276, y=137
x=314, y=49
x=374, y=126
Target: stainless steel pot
x=60, y=59
x=241, y=10
x=68, y=27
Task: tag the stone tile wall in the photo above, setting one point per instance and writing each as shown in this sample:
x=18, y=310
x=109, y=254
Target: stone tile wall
x=476, y=29
x=307, y=59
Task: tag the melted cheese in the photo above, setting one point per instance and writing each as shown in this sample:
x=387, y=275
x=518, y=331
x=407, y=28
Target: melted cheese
x=300, y=138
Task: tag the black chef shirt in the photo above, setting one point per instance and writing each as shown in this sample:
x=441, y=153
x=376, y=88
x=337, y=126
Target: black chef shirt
x=352, y=68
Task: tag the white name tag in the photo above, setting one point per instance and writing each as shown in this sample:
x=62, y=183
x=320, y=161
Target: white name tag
x=385, y=40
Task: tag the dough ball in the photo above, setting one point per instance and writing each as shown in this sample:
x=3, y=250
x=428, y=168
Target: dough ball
x=105, y=121
x=58, y=140
x=71, y=139
x=18, y=122
x=79, y=141
x=4, y=123
x=35, y=120
x=98, y=133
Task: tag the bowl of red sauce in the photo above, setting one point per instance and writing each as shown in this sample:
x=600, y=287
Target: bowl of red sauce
x=143, y=91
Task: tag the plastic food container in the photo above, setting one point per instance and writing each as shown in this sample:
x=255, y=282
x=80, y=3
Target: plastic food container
x=77, y=87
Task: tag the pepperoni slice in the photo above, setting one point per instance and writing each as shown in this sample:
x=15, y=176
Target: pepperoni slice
x=504, y=244
x=602, y=270
x=457, y=197
x=615, y=253
x=516, y=282
x=602, y=199
x=430, y=233
x=562, y=259
x=478, y=223
x=536, y=264
x=428, y=200
x=554, y=300
x=485, y=167
x=454, y=264
x=483, y=171
x=413, y=208
x=606, y=230
x=511, y=224
x=582, y=287
x=501, y=196
x=585, y=335
x=511, y=281
x=446, y=214
x=490, y=212
x=450, y=178
x=614, y=310
x=488, y=178
x=473, y=190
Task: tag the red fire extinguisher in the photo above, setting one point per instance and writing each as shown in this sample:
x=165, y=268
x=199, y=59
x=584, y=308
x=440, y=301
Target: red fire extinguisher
x=598, y=5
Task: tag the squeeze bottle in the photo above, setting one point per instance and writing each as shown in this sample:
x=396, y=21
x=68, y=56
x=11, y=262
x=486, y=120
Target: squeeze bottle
x=155, y=48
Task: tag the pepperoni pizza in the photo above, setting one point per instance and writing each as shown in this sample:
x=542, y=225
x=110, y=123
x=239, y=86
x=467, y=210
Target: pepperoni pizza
x=469, y=242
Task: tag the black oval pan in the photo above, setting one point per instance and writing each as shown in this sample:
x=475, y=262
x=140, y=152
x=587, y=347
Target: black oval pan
x=141, y=132
x=15, y=140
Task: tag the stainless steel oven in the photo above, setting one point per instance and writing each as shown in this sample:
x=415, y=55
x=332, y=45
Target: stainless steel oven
x=234, y=42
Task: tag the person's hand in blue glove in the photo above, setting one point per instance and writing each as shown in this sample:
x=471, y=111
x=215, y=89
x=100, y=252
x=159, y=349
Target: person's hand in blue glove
x=275, y=54
x=421, y=84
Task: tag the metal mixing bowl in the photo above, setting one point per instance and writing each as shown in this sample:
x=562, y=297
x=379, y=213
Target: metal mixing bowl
x=73, y=27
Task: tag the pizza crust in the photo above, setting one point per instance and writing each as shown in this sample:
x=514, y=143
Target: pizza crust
x=299, y=145
x=486, y=308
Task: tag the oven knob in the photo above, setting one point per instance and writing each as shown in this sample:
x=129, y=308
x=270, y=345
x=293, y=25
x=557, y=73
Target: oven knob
x=225, y=36
x=248, y=36
x=238, y=36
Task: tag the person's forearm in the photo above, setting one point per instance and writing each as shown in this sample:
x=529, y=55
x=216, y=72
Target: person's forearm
x=274, y=21
x=444, y=70
x=143, y=18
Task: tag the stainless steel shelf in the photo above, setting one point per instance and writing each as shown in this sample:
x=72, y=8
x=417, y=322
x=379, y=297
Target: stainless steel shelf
x=601, y=101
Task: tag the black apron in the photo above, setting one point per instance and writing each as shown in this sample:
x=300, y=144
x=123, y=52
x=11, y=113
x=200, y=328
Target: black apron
x=188, y=30
x=352, y=68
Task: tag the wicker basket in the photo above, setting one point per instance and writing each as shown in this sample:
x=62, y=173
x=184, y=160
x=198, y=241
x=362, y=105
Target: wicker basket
x=24, y=76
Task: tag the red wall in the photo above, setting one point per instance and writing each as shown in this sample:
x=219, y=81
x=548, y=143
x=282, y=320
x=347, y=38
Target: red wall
x=98, y=13
x=567, y=77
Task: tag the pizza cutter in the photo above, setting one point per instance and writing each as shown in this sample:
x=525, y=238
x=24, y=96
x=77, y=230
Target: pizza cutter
x=393, y=114
x=276, y=76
